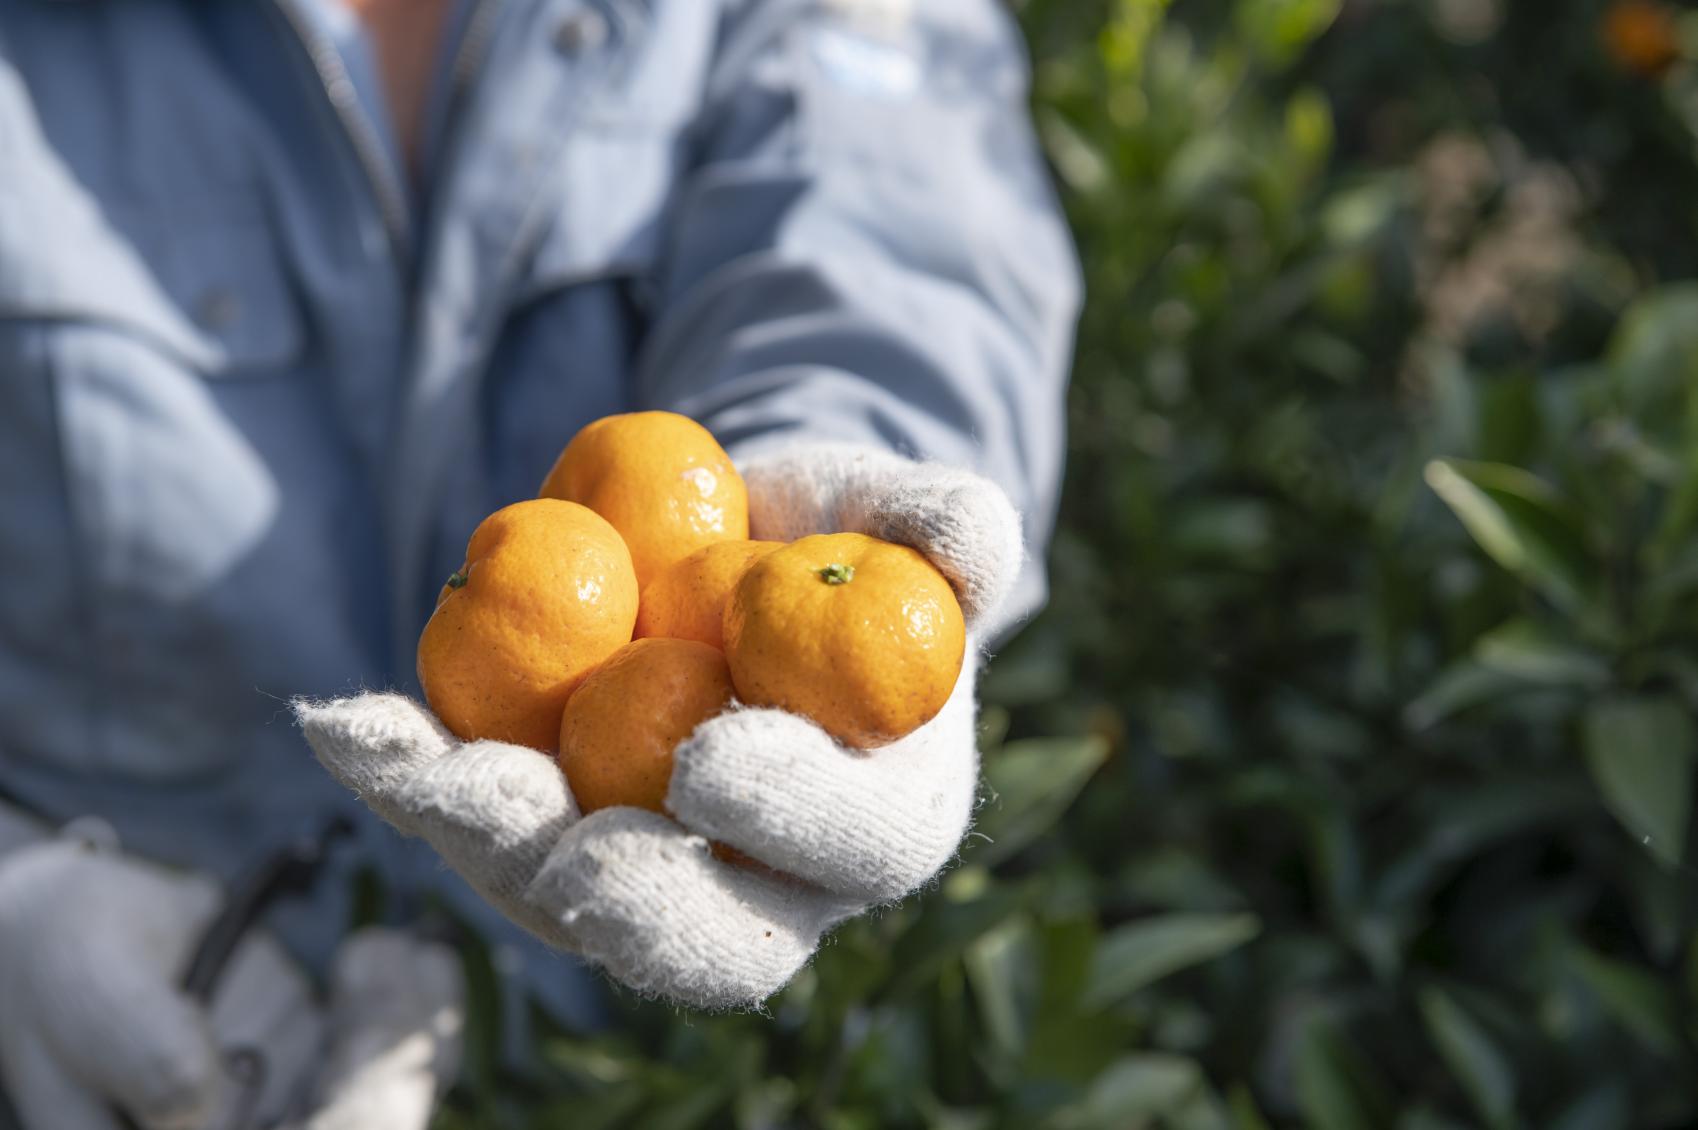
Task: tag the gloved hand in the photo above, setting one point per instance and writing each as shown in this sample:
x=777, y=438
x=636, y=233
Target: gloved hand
x=841, y=829
x=91, y=946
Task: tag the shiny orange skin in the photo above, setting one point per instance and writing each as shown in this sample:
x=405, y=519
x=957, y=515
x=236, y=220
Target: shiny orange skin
x=661, y=479
x=687, y=601
x=548, y=594
x=620, y=728
x=869, y=659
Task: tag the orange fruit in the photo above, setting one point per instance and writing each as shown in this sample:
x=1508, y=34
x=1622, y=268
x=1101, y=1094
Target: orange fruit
x=1642, y=35
x=862, y=636
x=661, y=479
x=620, y=728
x=546, y=594
x=687, y=600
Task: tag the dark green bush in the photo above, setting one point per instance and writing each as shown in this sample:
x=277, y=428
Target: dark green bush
x=1345, y=782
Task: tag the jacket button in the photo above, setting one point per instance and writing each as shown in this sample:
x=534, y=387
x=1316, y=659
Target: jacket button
x=583, y=30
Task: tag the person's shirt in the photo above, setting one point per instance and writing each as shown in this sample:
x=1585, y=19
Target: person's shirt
x=260, y=389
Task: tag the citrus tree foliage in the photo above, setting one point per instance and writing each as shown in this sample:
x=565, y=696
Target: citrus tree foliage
x=1346, y=781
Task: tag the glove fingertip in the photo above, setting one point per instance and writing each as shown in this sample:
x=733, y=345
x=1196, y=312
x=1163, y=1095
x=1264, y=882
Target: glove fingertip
x=375, y=716
x=371, y=743
x=160, y=1063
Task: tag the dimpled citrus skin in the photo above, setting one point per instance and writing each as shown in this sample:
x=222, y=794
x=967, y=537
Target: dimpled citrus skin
x=687, y=600
x=548, y=594
x=869, y=658
x=661, y=479
x=620, y=728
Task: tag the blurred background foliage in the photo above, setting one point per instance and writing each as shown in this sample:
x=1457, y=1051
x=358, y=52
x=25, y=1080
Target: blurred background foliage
x=1346, y=781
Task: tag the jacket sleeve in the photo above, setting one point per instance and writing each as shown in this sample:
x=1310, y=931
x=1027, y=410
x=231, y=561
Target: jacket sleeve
x=867, y=248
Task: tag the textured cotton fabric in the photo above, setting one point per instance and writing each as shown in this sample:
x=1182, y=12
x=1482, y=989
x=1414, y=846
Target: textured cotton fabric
x=91, y=947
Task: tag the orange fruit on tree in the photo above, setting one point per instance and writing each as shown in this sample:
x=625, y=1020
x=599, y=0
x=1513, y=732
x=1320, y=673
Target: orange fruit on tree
x=619, y=730
x=1642, y=35
x=687, y=600
x=862, y=636
x=546, y=594
x=661, y=479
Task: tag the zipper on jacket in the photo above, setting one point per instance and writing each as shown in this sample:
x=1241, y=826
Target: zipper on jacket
x=368, y=146
x=474, y=46
x=463, y=70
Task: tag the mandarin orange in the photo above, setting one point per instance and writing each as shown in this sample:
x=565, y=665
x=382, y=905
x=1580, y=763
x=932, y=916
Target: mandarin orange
x=862, y=636
x=661, y=479
x=618, y=731
x=687, y=600
x=546, y=594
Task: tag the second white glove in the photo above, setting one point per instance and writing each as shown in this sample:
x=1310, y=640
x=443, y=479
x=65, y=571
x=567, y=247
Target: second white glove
x=91, y=945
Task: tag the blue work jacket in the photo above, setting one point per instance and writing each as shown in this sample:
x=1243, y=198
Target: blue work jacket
x=259, y=387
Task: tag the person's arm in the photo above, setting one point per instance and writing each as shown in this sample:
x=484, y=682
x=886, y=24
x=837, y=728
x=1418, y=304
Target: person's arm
x=867, y=248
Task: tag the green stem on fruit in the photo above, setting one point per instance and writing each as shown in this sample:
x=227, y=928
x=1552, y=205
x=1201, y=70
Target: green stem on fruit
x=837, y=574
x=457, y=580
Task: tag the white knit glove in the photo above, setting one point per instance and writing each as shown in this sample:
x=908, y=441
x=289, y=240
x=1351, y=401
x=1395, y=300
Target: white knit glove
x=642, y=895
x=91, y=946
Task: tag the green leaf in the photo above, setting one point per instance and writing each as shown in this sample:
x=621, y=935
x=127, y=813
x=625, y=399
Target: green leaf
x=1245, y=1114
x=1309, y=124
x=1075, y=156
x=1358, y=213
x=1236, y=530
x=1674, y=581
x=1471, y=1056
x=1032, y=783
x=1124, y=42
x=1132, y=1089
x=1136, y=955
x=1654, y=366
x=1204, y=167
x=1171, y=878
x=1461, y=686
x=1680, y=513
x=1459, y=822
x=1281, y=29
x=1533, y=652
x=993, y=727
x=695, y=1107
x=944, y=931
x=1639, y=1002
x=1640, y=753
x=608, y=1110
x=590, y=1063
x=1521, y=524
x=1653, y=357
x=1604, y=1107
x=767, y=1103
x=1002, y=969
x=1336, y=1088
x=1421, y=1118
x=940, y=1117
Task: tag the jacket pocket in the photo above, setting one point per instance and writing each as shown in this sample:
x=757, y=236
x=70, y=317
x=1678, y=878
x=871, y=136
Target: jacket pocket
x=142, y=493
x=608, y=217
x=564, y=353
